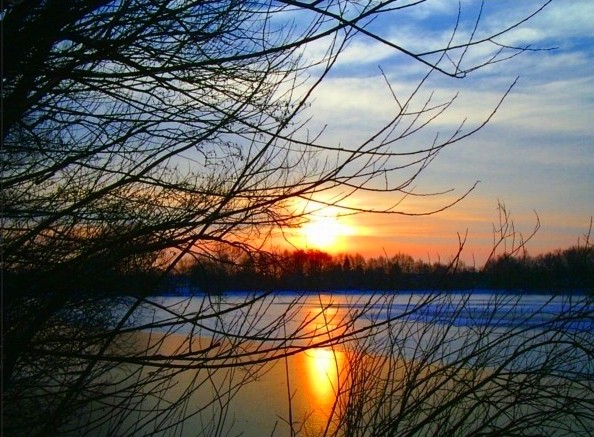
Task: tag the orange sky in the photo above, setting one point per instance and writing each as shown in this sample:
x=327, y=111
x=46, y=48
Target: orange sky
x=430, y=238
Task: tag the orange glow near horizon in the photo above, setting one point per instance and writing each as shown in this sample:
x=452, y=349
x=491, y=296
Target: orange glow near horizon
x=333, y=232
x=433, y=238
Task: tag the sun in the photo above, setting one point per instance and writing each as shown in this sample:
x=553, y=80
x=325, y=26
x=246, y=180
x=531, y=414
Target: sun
x=325, y=232
x=320, y=233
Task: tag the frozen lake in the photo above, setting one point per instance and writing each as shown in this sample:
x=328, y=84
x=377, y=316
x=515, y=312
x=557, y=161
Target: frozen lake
x=303, y=364
x=259, y=311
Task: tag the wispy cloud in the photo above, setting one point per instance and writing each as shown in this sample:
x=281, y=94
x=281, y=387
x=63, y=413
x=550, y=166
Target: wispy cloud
x=536, y=154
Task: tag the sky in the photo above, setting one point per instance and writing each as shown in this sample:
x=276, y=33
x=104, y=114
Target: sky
x=536, y=155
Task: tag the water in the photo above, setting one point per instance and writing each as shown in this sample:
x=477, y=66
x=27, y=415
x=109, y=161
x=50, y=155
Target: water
x=460, y=309
x=367, y=363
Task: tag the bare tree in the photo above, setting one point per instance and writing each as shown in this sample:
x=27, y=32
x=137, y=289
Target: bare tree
x=134, y=127
x=466, y=364
x=137, y=133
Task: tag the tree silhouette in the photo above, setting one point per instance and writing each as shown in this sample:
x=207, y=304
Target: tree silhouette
x=137, y=134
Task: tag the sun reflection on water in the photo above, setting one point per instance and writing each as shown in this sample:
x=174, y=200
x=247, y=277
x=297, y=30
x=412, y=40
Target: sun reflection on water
x=324, y=368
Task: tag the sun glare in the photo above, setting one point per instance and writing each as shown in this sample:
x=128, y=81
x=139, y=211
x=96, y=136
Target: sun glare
x=324, y=233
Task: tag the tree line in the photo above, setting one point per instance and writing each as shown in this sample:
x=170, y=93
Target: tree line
x=568, y=270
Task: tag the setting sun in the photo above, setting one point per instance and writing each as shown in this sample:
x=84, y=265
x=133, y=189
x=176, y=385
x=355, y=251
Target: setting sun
x=325, y=232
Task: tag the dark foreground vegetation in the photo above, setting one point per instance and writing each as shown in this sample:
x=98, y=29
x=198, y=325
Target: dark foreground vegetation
x=140, y=134
x=563, y=271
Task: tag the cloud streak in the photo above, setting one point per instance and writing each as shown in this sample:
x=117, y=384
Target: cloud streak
x=537, y=153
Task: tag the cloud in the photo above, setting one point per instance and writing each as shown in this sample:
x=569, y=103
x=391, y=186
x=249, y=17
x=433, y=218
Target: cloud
x=564, y=19
x=430, y=9
x=365, y=52
x=558, y=21
x=536, y=154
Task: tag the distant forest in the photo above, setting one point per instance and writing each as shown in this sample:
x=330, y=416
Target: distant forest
x=561, y=271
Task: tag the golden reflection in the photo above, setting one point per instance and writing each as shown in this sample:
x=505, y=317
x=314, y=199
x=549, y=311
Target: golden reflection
x=324, y=368
x=324, y=322
x=322, y=375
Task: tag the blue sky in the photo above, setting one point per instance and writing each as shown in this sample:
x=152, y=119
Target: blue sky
x=536, y=155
